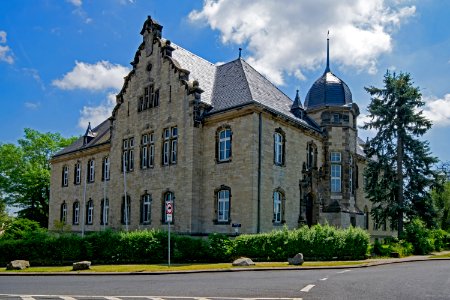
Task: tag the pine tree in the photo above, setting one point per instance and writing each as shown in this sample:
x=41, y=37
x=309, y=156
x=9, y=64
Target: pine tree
x=399, y=174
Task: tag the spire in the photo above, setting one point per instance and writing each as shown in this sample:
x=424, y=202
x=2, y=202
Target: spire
x=89, y=135
x=297, y=102
x=327, y=69
x=240, y=50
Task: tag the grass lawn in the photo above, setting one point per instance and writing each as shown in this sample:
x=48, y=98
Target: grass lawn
x=444, y=255
x=184, y=267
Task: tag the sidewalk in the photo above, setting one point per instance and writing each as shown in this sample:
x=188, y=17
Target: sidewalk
x=363, y=264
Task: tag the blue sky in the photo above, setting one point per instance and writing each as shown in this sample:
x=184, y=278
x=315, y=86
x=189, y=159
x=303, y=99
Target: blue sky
x=61, y=62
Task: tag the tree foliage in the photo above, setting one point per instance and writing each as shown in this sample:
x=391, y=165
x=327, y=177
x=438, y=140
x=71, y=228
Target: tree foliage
x=25, y=172
x=399, y=173
x=441, y=200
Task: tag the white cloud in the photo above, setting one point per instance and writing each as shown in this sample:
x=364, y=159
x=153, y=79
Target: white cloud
x=438, y=110
x=288, y=37
x=32, y=105
x=99, y=76
x=77, y=3
x=5, y=52
x=97, y=114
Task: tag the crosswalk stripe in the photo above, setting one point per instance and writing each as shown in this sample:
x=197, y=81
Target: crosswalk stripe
x=307, y=288
x=112, y=298
x=27, y=298
x=67, y=298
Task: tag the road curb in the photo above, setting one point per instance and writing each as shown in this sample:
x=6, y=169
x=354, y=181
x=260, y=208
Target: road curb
x=368, y=265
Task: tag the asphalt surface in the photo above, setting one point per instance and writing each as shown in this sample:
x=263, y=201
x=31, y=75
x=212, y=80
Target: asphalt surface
x=408, y=280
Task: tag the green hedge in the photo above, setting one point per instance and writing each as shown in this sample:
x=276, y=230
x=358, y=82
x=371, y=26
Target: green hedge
x=150, y=246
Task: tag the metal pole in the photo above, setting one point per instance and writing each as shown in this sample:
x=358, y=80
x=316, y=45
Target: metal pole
x=104, y=197
x=125, y=191
x=169, y=245
x=84, y=204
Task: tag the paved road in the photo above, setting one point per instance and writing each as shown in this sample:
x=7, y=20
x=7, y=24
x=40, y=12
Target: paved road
x=419, y=280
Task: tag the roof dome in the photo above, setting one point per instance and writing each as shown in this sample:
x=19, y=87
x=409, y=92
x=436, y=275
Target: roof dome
x=328, y=90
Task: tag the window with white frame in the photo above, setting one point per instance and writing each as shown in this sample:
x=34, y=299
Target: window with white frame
x=146, y=209
x=65, y=176
x=76, y=213
x=336, y=174
x=126, y=210
x=89, y=212
x=77, y=173
x=91, y=170
x=224, y=145
x=277, y=207
x=170, y=144
x=147, y=150
x=105, y=168
x=223, y=205
x=63, y=217
x=278, y=148
x=150, y=98
x=104, y=214
x=128, y=154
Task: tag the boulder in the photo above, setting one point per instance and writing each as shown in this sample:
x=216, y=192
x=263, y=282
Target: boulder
x=297, y=260
x=81, y=265
x=243, y=261
x=18, y=265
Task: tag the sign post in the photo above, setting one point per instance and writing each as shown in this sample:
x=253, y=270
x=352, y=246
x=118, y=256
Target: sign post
x=169, y=211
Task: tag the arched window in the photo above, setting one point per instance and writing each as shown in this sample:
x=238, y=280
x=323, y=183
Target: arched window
x=76, y=213
x=104, y=214
x=63, y=217
x=146, y=209
x=168, y=197
x=89, y=212
x=91, y=170
x=65, y=176
x=223, y=141
x=105, y=168
x=125, y=215
x=279, y=147
x=278, y=207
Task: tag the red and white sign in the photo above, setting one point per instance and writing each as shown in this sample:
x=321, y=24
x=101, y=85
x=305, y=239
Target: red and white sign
x=169, y=208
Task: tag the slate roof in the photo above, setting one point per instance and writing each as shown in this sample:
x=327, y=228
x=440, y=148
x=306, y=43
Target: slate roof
x=237, y=83
x=101, y=135
x=328, y=90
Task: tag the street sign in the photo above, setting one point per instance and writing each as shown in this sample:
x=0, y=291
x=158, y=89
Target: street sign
x=236, y=225
x=169, y=208
x=168, y=218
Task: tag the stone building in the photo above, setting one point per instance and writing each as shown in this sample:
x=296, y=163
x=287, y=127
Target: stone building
x=221, y=143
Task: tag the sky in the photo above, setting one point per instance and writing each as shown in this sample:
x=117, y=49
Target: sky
x=63, y=61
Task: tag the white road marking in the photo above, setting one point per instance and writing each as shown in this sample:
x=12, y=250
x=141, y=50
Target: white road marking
x=307, y=288
x=80, y=297
x=154, y=298
x=27, y=298
x=323, y=279
x=345, y=271
x=112, y=298
x=67, y=298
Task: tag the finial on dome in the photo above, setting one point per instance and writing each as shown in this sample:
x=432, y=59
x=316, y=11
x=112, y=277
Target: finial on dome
x=327, y=69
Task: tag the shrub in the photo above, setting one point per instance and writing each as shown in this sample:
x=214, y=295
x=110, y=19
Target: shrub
x=220, y=248
x=19, y=228
x=419, y=236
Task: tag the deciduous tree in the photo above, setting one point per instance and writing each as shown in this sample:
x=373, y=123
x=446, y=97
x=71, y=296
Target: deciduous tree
x=25, y=172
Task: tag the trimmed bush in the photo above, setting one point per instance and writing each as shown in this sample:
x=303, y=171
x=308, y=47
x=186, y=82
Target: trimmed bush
x=419, y=236
x=150, y=246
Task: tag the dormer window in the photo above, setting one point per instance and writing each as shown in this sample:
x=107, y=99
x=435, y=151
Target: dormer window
x=336, y=118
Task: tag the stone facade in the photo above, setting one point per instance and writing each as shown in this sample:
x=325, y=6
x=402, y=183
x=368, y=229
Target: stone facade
x=169, y=130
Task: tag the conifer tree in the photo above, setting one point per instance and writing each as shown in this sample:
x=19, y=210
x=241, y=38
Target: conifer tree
x=399, y=175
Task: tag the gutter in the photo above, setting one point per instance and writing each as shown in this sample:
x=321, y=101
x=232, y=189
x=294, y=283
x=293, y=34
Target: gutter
x=258, y=226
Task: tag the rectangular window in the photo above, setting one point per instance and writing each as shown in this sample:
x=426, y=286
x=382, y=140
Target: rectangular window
x=151, y=160
x=147, y=151
x=277, y=208
x=224, y=145
x=170, y=146
x=141, y=104
x=128, y=154
x=105, y=212
x=76, y=213
x=90, y=212
x=105, y=168
x=336, y=174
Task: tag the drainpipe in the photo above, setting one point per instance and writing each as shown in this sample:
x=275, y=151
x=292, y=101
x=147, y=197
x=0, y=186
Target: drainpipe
x=258, y=227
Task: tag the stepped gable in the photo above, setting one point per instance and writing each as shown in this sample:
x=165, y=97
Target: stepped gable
x=100, y=135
